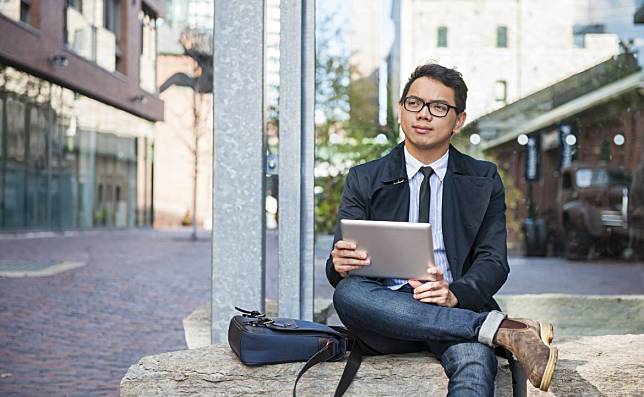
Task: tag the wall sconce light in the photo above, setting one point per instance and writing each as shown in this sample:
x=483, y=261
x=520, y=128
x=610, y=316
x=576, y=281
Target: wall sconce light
x=140, y=99
x=58, y=60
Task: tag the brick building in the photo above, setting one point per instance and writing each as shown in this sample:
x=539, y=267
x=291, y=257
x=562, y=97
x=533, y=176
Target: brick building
x=78, y=106
x=601, y=107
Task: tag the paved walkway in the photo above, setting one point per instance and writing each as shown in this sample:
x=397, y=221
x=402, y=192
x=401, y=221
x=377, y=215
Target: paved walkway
x=75, y=333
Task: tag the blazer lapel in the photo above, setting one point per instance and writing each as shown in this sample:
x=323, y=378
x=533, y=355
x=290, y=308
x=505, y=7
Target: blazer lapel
x=390, y=197
x=465, y=200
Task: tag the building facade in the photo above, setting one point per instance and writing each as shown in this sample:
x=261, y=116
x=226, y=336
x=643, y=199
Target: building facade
x=593, y=118
x=505, y=49
x=78, y=106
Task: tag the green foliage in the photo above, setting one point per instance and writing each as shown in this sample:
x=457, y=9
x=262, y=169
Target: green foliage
x=347, y=131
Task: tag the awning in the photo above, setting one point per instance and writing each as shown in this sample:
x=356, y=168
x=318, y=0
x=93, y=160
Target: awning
x=568, y=109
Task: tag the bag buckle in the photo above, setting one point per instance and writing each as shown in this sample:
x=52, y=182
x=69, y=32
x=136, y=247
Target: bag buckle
x=251, y=313
x=260, y=318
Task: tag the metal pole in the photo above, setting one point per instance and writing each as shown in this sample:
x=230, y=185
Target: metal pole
x=296, y=147
x=307, y=220
x=238, y=163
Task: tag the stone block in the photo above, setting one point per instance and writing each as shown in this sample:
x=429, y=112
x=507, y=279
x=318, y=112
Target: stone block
x=588, y=366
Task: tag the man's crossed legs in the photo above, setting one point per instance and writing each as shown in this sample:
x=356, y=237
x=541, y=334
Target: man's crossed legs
x=389, y=321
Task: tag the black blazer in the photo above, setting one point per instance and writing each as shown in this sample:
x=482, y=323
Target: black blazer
x=474, y=229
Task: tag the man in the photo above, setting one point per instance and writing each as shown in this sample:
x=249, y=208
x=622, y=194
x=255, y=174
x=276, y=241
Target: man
x=453, y=314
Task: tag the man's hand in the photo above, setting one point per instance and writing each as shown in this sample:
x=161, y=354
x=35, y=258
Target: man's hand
x=347, y=258
x=436, y=290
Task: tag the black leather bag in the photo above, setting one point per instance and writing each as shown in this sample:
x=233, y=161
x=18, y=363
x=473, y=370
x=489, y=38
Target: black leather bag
x=258, y=340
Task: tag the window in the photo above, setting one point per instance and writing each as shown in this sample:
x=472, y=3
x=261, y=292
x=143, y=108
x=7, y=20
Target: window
x=112, y=22
x=580, y=31
x=566, y=181
x=15, y=130
x=501, y=91
x=502, y=37
x=147, y=58
x=17, y=10
x=77, y=4
x=25, y=11
x=442, y=37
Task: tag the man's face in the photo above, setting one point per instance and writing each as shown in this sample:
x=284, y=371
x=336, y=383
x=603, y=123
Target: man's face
x=427, y=135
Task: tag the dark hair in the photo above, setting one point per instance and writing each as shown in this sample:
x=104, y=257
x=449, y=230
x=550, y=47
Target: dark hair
x=450, y=77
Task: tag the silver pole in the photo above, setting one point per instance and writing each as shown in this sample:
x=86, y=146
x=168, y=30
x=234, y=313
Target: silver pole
x=296, y=148
x=238, y=163
x=308, y=159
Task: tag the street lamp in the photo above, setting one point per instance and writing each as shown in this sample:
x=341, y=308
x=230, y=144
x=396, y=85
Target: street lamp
x=475, y=139
x=619, y=139
x=522, y=139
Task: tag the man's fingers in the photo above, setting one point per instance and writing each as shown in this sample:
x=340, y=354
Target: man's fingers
x=352, y=261
x=345, y=244
x=436, y=301
x=435, y=273
x=345, y=269
x=414, y=283
x=428, y=286
x=358, y=254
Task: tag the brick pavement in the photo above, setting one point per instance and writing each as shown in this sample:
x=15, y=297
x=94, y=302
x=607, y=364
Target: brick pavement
x=77, y=332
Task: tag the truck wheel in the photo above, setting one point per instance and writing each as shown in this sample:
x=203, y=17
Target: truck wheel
x=578, y=244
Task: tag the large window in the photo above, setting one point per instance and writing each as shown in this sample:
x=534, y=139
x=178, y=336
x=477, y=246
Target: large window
x=71, y=162
x=88, y=34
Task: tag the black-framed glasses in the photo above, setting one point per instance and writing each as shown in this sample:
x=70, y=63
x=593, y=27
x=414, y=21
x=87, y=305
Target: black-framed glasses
x=436, y=108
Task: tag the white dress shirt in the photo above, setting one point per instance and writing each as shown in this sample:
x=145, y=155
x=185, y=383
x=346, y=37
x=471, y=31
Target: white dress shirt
x=415, y=178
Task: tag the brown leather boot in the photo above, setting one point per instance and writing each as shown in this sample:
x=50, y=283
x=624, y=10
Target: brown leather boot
x=545, y=330
x=537, y=358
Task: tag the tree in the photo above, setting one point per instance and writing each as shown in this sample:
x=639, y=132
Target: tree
x=198, y=46
x=343, y=137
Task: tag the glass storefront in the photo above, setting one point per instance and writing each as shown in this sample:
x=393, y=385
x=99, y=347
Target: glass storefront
x=68, y=161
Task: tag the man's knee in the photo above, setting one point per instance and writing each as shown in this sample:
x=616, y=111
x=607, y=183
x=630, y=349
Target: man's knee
x=351, y=298
x=470, y=356
x=344, y=294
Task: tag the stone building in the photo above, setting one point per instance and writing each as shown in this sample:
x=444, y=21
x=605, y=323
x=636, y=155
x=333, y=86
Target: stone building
x=505, y=49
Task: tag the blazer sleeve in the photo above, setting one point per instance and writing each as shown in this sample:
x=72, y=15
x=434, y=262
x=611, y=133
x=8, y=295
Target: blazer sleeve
x=489, y=260
x=353, y=205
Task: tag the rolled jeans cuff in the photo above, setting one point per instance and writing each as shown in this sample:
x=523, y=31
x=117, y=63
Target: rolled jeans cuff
x=490, y=326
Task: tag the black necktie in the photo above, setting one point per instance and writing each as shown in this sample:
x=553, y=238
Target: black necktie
x=425, y=193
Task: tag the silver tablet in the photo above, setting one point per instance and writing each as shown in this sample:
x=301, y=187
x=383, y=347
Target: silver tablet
x=397, y=249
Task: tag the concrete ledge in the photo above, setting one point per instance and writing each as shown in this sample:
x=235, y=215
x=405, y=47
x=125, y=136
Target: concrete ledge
x=588, y=366
x=216, y=371
x=572, y=315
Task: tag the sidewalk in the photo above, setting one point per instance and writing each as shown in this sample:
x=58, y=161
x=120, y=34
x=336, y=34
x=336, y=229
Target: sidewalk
x=76, y=332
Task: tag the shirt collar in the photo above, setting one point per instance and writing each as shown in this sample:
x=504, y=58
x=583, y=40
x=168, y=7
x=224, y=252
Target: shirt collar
x=413, y=165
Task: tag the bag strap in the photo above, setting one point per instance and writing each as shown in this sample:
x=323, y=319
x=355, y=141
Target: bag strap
x=324, y=354
x=350, y=369
x=327, y=353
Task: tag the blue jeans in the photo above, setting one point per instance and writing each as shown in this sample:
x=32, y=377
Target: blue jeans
x=389, y=321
